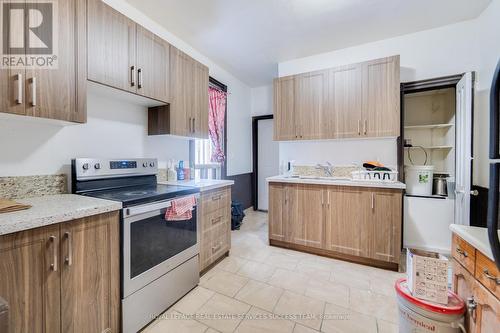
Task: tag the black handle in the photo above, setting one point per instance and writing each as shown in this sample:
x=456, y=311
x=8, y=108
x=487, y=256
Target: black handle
x=494, y=114
x=492, y=220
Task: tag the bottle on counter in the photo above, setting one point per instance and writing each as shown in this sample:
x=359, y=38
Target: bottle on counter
x=180, y=171
x=171, y=173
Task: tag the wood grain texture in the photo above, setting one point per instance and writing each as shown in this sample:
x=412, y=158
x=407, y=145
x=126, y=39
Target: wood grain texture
x=381, y=97
x=153, y=62
x=27, y=281
x=159, y=120
x=484, y=268
x=180, y=105
x=90, y=286
x=344, y=113
x=464, y=253
x=111, y=47
x=284, y=109
x=277, y=212
x=200, y=95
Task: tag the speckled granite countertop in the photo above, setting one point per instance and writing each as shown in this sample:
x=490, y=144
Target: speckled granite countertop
x=336, y=182
x=52, y=209
x=475, y=236
x=203, y=184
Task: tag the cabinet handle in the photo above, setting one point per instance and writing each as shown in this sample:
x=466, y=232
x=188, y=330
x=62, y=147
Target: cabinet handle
x=373, y=200
x=33, y=91
x=53, y=266
x=217, y=247
x=139, y=78
x=194, y=125
x=215, y=198
x=471, y=307
x=359, y=126
x=365, y=126
x=132, y=76
x=217, y=220
x=491, y=277
x=69, y=258
x=19, y=97
x=462, y=252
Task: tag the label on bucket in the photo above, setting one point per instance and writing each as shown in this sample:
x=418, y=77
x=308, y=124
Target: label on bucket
x=411, y=323
x=423, y=179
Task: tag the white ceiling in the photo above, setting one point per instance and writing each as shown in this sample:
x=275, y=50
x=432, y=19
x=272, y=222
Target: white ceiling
x=249, y=37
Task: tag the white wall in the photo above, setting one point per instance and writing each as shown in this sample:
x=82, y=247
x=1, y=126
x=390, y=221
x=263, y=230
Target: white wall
x=262, y=100
x=466, y=46
x=118, y=128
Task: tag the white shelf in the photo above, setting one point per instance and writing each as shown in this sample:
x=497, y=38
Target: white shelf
x=430, y=147
x=430, y=126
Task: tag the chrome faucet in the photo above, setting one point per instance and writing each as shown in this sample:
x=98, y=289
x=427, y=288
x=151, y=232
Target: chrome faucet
x=327, y=169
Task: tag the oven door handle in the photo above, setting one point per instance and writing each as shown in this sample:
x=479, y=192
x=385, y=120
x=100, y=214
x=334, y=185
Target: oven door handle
x=137, y=210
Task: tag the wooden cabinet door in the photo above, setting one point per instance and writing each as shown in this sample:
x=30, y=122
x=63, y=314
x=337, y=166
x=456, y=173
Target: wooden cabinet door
x=181, y=75
x=381, y=97
x=200, y=90
x=345, y=225
x=277, y=212
x=90, y=268
x=344, y=113
x=463, y=286
x=60, y=93
x=384, y=221
x=310, y=104
x=305, y=206
x=111, y=47
x=284, y=109
x=30, y=280
x=152, y=65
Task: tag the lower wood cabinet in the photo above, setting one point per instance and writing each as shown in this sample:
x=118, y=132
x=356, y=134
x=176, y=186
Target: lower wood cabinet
x=214, y=226
x=64, y=277
x=346, y=221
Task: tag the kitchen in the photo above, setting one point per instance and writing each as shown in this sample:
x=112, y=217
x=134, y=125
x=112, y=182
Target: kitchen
x=139, y=90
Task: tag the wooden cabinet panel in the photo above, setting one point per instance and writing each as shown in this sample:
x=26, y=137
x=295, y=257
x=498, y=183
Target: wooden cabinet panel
x=384, y=223
x=277, y=212
x=346, y=230
x=215, y=200
x=344, y=114
x=463, y=286
x=111, y=47
x=306, y=203
x=200, y=91
x=464, y=253
x=381, y=97
x=28, y=281
x=487, y=273
x=153, y=65
x=90, y=274
x=310, y=104
x=284, y=108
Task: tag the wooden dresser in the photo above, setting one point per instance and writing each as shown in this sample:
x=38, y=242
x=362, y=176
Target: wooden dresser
x=215, y=225
x=476, y=280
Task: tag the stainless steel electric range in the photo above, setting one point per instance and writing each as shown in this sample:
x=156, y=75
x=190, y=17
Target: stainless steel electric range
x=159, y=259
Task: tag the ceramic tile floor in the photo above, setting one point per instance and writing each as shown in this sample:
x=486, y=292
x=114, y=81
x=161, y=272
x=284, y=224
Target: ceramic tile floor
x=260, y=288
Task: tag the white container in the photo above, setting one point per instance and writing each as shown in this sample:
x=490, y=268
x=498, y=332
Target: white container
x=417, y=316
x=418, y=179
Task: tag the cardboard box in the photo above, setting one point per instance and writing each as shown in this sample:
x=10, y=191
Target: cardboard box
x=427, y=275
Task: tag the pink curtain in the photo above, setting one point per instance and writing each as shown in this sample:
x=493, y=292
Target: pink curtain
x=216, y=114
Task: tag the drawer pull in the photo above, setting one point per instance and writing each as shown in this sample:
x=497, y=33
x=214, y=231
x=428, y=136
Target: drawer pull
x=462, y=252
x=216, y=220
x=218, y=197
x=491, y=277
x=53, y=266
x=471, y=307
x=216, y=248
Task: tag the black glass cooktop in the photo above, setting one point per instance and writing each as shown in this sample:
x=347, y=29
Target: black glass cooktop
x=135, y=195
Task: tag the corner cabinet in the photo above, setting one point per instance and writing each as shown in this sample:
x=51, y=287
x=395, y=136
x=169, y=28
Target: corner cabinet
x=124, y=55
x=54, y=93
x=356, y=223
x=357, y=100
x=63, y=277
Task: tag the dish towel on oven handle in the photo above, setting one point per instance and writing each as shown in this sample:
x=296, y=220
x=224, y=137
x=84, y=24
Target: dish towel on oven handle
x=181, y=209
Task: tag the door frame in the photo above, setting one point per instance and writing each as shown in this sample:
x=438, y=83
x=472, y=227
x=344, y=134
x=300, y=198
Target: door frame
x=255, y=155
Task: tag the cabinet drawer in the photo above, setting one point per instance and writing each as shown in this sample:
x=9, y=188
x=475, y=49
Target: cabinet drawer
x=487, y=273
x=213, y=219
x=215, y=200
x=214, y=243
x=464, y=253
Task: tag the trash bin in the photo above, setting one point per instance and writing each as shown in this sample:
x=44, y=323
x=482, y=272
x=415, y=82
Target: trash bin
x=418, y=179
x=419, y=316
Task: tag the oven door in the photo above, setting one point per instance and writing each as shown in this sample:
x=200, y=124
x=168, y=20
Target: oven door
x=153, y=246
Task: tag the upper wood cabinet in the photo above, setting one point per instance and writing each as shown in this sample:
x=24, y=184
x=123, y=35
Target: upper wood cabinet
x=64, y=277
x=124, y=55
x=357, y=100
x=58, y=92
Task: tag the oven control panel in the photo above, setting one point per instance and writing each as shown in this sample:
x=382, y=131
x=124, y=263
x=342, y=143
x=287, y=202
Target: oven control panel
x=92, y=168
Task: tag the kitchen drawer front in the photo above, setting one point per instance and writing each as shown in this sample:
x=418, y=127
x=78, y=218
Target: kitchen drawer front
x=464, y=253
x=215, y=218
x=488, y=274
x=214, y=243
x=215, y=200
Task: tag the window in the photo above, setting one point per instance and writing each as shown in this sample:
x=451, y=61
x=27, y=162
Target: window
x=204, y=168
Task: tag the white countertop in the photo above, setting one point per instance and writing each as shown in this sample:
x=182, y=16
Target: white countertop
x=336, y=182
x=475, y=236
x=52, y=209
x=203, y=184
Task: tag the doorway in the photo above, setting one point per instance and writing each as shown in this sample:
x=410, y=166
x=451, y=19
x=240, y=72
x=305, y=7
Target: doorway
x=265, y=159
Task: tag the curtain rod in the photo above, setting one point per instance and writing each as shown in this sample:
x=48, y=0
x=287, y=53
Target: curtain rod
x=218, y=88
